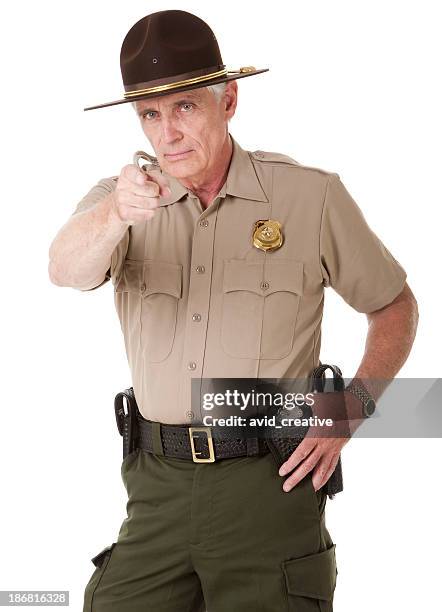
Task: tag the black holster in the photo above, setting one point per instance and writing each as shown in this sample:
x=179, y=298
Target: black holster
x=127, y=421
x=282, y=448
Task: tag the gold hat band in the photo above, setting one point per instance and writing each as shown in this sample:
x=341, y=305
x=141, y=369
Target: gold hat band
x=198, y=79
x=205, y=77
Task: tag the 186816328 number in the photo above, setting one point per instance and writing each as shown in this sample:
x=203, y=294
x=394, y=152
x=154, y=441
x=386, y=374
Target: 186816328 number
x=43, y=598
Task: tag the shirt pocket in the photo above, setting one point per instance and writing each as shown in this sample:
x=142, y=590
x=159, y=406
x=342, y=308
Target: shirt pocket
x=260, y=306
x=153, y=289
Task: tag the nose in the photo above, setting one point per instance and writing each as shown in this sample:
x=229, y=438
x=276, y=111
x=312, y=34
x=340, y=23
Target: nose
x=170, y=131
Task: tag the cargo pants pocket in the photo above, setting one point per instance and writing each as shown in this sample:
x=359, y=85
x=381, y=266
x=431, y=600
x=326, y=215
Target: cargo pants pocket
x=100, y=561
x=310, y=581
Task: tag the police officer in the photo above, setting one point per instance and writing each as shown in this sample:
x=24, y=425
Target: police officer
x=218, y=258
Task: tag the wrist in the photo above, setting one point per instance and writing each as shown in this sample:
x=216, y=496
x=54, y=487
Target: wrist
x=114, y=219
x=365, y=401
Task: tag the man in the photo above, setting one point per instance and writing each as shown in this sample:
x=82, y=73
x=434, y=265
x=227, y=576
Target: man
x=219, y=258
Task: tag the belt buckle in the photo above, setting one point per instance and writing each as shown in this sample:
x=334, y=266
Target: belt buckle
x=208, y=432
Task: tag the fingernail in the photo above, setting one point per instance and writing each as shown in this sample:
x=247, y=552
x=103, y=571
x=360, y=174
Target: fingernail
x=286, y=488
x=167, y=191
x=282, y=471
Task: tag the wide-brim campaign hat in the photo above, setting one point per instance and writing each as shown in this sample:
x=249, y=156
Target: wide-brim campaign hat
x=171, y=51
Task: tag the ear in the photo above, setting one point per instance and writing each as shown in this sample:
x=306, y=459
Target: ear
x=230, y=98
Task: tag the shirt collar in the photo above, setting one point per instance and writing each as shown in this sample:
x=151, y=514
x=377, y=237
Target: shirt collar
x=241, y=181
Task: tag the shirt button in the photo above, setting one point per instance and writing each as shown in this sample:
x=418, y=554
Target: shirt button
x=265, y=285
x=143, y=287
x=196, y=317
x=204, y=223
x=191, y=365
x=200, y=269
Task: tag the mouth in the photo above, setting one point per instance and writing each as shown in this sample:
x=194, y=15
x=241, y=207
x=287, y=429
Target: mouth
x=179, y=155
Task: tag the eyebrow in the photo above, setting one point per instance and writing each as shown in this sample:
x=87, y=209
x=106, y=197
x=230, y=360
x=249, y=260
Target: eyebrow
x=190, y=98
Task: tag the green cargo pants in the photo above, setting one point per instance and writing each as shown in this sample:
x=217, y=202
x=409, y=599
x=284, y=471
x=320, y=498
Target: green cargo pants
x=215, y=537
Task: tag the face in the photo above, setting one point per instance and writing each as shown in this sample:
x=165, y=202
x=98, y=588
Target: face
x=188, y=130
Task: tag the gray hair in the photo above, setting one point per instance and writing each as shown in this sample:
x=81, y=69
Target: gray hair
x=218, y=89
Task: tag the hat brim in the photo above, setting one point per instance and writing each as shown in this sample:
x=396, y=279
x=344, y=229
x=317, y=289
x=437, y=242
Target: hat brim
x=229, y=77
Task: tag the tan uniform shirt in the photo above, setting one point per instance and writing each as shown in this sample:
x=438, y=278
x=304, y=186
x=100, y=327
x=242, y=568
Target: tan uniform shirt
x=197, y=299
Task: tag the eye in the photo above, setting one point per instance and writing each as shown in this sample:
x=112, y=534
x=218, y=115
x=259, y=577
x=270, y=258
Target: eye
x=187, y=106
x=149, y=114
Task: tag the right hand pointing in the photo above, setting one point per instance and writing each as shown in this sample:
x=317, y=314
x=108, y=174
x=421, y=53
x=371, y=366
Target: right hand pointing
x=136, y=196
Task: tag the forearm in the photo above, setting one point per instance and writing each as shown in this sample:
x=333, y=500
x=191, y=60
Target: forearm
x=81, y=252
x=391, y=333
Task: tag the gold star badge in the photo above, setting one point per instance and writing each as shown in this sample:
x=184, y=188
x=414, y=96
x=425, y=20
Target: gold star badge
x=267, y=234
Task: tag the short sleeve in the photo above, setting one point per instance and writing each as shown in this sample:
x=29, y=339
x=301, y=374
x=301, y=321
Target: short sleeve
x=98, y=192
x=103, y=188
x=353, y=259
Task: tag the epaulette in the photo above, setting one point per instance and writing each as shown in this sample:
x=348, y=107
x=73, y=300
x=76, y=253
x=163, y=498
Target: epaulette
x=280, y=158
x=269, y=156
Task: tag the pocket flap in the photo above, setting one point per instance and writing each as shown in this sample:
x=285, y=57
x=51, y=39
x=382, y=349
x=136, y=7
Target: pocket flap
x=263, y=278
x=313, y=576
x=146, y=277
x=163, y=277
x=98, y=559
x=131, y=277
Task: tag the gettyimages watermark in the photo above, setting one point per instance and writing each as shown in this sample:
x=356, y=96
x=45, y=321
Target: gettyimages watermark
x=289, y=407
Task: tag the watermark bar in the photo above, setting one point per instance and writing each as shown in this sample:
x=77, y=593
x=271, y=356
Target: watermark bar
x=34, y=598
x=289, y=407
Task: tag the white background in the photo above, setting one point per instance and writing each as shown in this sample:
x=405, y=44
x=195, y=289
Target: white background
x=353, y=88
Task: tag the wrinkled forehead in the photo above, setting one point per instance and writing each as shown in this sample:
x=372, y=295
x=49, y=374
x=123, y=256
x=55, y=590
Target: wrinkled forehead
x=171, y=99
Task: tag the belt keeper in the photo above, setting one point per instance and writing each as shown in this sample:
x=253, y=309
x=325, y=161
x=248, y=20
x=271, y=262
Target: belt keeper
x=157, y=443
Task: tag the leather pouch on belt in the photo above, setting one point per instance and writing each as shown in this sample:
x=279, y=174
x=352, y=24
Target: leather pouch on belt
x=127, y=422
x=282, y=447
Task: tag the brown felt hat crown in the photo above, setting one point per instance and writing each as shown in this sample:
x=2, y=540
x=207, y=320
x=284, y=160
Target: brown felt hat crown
x=171, y=51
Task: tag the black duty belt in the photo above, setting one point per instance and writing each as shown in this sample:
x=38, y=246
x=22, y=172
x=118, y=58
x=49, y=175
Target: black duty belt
x=199, y=444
